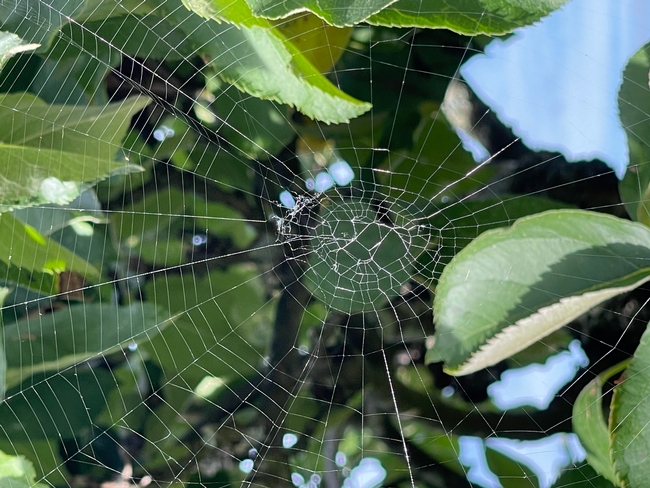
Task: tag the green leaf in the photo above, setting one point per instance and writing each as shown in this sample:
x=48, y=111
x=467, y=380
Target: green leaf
x=435, y=168
x=52, y=342
x=634, y=105
x=335, y=12
x=256, y=127
x=511, y=287
x=220, y=326
x=17, y=472
x=582, y=476
x=3, y=356
x=358, y=261
x=50, y=151
x=589, y=423
x=37, y=21
x=258, y=59
x=63, y=406
x=470, y=17
x=33, y=259
x=630, y=418
x=11, y=44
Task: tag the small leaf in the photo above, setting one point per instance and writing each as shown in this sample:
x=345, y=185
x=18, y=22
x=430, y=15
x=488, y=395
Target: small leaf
x=11, y=44
x=17, y=472
x=629, y=420
x=470, y=17
x=589, y=423
x=511, y=287
x=25, y=248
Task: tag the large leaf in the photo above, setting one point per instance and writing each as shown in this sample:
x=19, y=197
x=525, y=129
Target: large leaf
x=589, y=423
x=63, y=406
x=257, y=58
x=629, y=421
x=471, y=17
x=55, y=341
x=634, y=106
x=49, y=151
x=511, y=287
x=220, y=326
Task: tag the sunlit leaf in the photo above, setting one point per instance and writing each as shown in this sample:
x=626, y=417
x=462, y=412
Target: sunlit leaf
x=335, y=12
x=630, y=418
x=32, y=259
x=258, y=59
x=511, y=287
x=49, y=152
x=589, y=423
x=471, y=17
x=62, y=406
x=11, y=44
x=464, y=16
x=634, y=105
x=17, y=472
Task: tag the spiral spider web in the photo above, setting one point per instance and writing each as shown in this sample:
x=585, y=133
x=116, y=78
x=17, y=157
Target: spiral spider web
x=254, y=307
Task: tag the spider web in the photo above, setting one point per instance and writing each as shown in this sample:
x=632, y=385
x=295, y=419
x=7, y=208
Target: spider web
x=262, y=301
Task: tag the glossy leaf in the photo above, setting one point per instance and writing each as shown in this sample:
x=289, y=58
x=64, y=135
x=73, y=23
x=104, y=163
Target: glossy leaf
x=511, y=287
x=49, y=152
x=634, y=105
x=589, y=423
x=52, y=342
x=470, y=17
x=630, y=419
x=258, y=59
x=335, y=12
